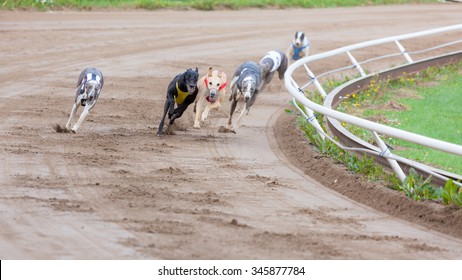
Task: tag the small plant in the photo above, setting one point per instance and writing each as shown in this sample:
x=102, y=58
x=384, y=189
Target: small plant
x=451, y=194
x=417, y=188
x=364, y=165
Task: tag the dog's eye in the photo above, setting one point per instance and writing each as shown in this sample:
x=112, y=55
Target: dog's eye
x=218, y=84
x=210, y=83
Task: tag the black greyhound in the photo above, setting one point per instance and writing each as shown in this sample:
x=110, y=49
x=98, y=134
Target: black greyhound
x=181, y=91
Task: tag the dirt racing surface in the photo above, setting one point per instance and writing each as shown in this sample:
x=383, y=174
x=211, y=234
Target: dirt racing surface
x=114, y=190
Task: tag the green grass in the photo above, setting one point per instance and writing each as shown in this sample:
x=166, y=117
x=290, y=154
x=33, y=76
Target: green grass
x=196, y=4
x=428, y=104
x=414, y=186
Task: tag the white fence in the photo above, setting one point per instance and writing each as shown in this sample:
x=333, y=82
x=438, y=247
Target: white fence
x=311, y=80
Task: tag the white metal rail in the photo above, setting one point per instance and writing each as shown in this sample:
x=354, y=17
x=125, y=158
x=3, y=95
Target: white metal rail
x=310, y=107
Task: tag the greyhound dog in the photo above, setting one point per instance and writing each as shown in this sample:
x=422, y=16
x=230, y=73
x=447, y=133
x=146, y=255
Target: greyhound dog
x=273, y=61
x=212, y=90
x=246, y=84
x=299, y=48
x=89, y=86
x=181, y=91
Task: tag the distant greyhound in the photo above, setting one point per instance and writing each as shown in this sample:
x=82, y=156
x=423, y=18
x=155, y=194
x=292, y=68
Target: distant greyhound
x=89, y=86
x=299, y=48
x=181, y=91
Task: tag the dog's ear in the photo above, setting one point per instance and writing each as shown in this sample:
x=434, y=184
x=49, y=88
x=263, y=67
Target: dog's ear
x=220, y=74
x=197, y=70
x=210, y=72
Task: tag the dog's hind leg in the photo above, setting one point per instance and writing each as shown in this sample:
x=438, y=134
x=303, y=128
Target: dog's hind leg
x=231, y=112
x=283, y=67
x=233, y=87
x=72, y=114
x=234, y=99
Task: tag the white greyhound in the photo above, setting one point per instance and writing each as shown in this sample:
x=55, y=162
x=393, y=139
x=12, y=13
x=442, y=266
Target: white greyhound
x=89, y=86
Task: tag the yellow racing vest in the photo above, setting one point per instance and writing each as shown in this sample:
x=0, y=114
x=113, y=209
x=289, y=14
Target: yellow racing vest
x=181, y=95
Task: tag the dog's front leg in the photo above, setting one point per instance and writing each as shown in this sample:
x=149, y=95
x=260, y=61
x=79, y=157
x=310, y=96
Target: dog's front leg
x=178, y=112
x=245, y=111
x=171, y=109
x=207, y=109
x=166, y=110
x=82, y=118
x=72, y=114
x=215, y=105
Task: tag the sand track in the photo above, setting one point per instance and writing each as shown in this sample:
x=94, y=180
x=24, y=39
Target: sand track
x=115, y=191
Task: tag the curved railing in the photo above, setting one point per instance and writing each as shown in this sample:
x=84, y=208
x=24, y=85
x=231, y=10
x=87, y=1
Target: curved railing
x=441, y=44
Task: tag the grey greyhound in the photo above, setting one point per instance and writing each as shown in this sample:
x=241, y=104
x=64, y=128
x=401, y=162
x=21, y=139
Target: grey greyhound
x=89, y=86
x=246, y=83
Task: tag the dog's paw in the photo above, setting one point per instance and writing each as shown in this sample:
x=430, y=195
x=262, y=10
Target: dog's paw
x=196, y=126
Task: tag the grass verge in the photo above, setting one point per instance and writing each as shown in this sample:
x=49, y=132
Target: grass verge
x=430, y=90
x=414, y=186
x=427, y=104
x=195, y=4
